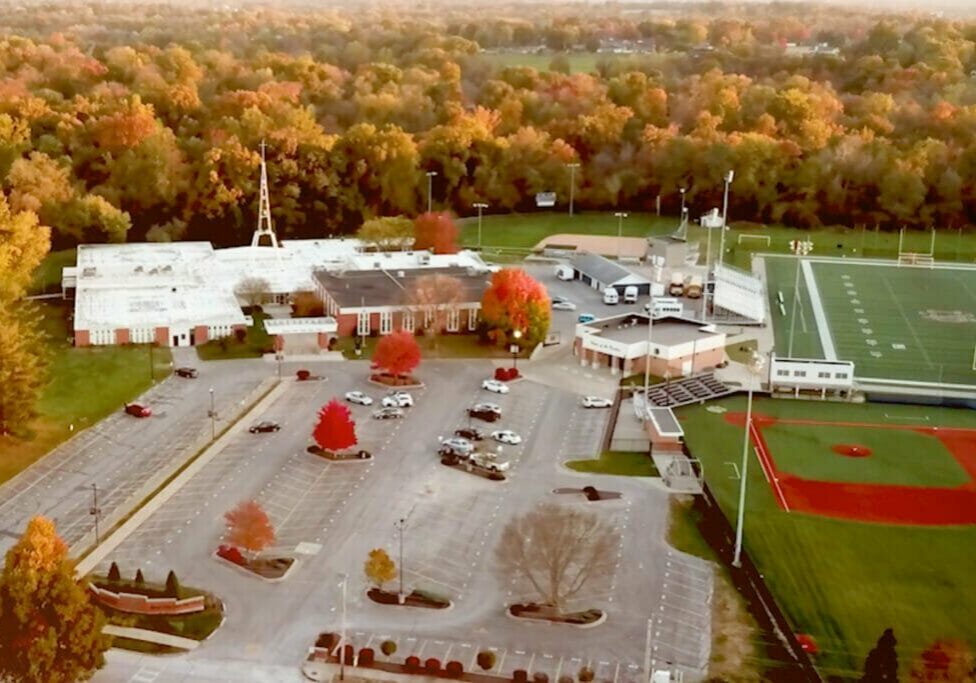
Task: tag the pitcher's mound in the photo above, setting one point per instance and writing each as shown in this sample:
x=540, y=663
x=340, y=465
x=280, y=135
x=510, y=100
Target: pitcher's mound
x=851, y=450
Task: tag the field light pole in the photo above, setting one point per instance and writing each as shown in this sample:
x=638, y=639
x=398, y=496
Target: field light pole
x=430, y=190
x=683, y=209
x=399, y=527
x=572, y=185
x=621, y=215
x=481, y=206
x=725, y=213
x=800, y=248
x=755, y=367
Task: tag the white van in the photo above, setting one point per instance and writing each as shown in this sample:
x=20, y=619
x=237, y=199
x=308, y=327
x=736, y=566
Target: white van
x=630, y=295
x=610, y=296
x=564, y=272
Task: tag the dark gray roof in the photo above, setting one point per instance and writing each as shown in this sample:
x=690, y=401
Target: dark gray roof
x=378, y=287
x=604, y=270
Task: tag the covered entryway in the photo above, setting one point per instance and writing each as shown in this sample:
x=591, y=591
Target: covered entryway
x=301, y=336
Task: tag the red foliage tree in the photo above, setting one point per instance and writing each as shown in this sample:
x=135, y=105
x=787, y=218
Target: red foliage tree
x=336, y=429
x=435, y=231
x=397, y=353
x=248, y=527
x=516, y=301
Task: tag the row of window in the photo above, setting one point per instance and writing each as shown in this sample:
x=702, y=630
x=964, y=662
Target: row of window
x=820, y=375
x=409, y=322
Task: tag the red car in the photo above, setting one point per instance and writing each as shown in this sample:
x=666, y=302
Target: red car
x=138, y=410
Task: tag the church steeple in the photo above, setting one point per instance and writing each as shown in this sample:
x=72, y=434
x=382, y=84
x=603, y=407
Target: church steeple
x=264, y=209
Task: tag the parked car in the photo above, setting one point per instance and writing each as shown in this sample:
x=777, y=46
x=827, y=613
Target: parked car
x=265, y=426
x=563, y=306
x=359, y=397
x=489, y=461
x=398, y=399
x=586, y=318
x=189, y=373
x=388, y=413
x=488, y=412
x=506, y=436
x=470, y=433
x=457, y=447
x=494, y=386
x=137, y=410
x=597, y=402
x=558, y=299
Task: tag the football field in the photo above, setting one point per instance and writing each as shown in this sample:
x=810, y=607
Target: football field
x=894, y=322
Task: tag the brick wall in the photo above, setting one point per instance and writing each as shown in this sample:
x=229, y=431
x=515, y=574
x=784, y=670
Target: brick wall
x=200, y=333
x=122, y=335
x=162, y=336
x=82, y=338
x=140, y=604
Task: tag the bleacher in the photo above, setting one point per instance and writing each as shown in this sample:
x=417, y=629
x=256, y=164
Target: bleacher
x=739, y=292
x=681, y=392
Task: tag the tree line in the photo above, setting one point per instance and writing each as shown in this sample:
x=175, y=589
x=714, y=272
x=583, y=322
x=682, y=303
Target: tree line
x=128, y=125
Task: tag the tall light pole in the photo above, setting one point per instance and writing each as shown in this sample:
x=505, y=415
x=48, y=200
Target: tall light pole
x=481, y=206
x=430, y=190
x=800, y=248
x=213, y=416
x=95, y=511
x=342, y=629
x=621, y=215
x=682, y=191
x=725, y=213
x=399, y=527
x=514, y=348
x=755, y=367
x=572, y=185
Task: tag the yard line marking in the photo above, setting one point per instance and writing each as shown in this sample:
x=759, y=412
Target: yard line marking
x=901, y=310
x=818, y=312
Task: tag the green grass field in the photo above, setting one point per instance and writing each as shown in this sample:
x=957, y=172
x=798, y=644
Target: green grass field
x=844, y=582
x=524, y=231
x=47, y=277
x=625, y=463
x=894, y=322
x=584, y=62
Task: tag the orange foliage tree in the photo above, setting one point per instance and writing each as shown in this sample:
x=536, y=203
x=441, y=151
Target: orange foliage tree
x=436, y=231
x=397, y=353
x=336, y=429
x=248, y=527
x=515, y=301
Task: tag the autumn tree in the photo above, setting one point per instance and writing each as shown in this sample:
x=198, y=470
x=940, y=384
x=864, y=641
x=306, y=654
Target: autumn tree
x=335, y=430
x=248, y=527
x=307, y=305
x=881, y=665
x=23, y=245
x=50, y=631
x=437, y=231
x=397, y=353
x=253, y=290
x=515, y=301
x=432, y=299
x=22, y=367
x=948, y=661
x=391, y=233
x=379, y=567
x=557, y=550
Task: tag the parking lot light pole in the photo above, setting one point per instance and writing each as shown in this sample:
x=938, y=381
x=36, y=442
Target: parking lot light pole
x=213, y=416
x=481, y=206
x=95, y=511
x=514, y=348
x=430, y=190
x=621, y=215
x=342, y=630
x=399, y=526
x=755, y=367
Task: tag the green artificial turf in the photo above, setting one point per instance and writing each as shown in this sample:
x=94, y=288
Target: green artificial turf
x=845, y=582
x=617, y=462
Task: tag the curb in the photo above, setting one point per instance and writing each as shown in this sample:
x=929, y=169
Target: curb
x=251, y=574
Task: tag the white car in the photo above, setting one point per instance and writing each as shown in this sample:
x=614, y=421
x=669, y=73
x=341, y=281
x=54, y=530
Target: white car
x=596, y=402
x=399, y=399
x=359, y=397
x=495, y=386
x=563, y=306
x=507, y=436
x=489, y=461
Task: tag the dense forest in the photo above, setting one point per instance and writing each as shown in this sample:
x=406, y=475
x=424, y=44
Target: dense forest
x=122, y=122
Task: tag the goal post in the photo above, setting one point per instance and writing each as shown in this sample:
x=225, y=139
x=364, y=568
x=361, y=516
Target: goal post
x=764, y=238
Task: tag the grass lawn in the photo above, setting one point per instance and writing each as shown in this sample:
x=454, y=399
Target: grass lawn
x=624, y=463
x=47, y=277
x=524, y=231
x=578, y=61
x=741, y=352
x=86, y=384
x=257, y=342
x=443, y=346
x=144, y=646
x=845, y=582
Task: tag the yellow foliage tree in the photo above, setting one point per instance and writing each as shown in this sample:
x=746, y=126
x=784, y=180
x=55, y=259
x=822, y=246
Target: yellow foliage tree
x=379, y=567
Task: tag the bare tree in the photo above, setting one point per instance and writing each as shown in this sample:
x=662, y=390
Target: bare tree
x=433, y=298
x=253, y=290
x=558, y=549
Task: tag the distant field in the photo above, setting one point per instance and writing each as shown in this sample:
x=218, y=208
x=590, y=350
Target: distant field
x=845, y=582
x=578, y=61
x=524, y=231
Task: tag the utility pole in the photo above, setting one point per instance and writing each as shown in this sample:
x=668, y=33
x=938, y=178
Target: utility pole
x=481, y=206
x=430, y=190
x=572, y=185
x=621, y=215
x=95, y=511
x=399, y=526
x=725, y=212
x=755, y=367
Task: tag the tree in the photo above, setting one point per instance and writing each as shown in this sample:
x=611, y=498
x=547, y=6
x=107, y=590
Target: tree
x=515, y=301
x=436, y=231
x=335, y=430
x=948, y=660
x=253, y=290
x=172, y=585
x=140, y=579
x=307, y=305
x=390, y=233
x=23, y=245
x=22, y=366
x=432, y=298
x=113, y=573
x=379, y=567
x=397, y=353
x=248, y=527
x=558, y=550
x=50, y=631
x=881, y=665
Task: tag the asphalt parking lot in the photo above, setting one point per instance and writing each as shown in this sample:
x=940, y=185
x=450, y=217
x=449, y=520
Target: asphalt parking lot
x=334, y=513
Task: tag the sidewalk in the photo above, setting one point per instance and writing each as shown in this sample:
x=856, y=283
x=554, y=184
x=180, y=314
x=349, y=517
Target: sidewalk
x=151, y=637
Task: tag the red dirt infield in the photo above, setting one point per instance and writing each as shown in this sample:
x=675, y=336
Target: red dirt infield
x=851, y=450
x=881, y=503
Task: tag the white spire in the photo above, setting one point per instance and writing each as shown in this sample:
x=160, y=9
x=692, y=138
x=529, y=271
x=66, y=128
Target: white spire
x=264, y=209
